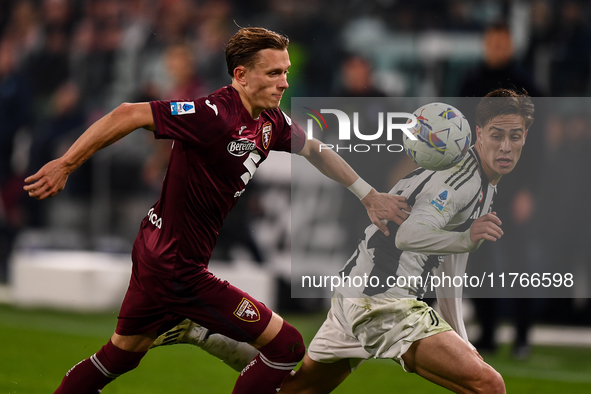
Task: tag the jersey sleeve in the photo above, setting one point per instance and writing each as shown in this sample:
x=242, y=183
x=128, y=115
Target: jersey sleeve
x=199, y=121
x=291, y=136
x=435, y=206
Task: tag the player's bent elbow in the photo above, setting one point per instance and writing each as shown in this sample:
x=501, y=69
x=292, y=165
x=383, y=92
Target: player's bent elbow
x=139, y=114
x=124, y=109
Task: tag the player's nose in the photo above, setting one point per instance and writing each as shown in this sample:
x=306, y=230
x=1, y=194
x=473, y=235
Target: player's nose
x=283, y=82
x=506, y=145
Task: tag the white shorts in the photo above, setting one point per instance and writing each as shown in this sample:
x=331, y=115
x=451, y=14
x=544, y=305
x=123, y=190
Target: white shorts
x=362, y=328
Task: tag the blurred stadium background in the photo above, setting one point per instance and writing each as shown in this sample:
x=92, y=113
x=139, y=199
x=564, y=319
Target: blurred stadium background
x=64, y=263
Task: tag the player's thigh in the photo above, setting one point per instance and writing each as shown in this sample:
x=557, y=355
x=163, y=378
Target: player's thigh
x=316, y=378
x=141, y=313
x=218, y=306
x=447, y=360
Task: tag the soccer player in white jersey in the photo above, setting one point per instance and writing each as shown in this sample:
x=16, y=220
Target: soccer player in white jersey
x=452, y=214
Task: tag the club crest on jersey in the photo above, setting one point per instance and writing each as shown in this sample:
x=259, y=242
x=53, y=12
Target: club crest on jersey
x=247, y=311
x=440, y=200
x=267, y=130
x=182, y=108
x=241, y=147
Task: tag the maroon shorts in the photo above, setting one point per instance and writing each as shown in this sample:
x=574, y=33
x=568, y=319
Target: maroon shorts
x=154, y=304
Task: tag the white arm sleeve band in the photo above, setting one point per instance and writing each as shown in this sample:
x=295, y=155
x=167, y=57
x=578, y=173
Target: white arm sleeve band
x=360, y=188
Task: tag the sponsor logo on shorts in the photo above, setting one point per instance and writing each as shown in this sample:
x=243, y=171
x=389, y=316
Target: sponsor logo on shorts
x=440, y=201
x=267, y=130
x=247, y=311
x=241, y=147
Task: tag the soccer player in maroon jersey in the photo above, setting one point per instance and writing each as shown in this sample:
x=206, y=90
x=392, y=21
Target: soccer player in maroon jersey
x=219, y=141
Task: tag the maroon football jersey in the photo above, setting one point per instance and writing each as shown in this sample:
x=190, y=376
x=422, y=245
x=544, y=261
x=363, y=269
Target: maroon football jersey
x=216, y=150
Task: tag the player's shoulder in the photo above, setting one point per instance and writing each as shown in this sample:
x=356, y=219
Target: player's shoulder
x=223, y=104
x=277, y=116
x=460, y=182
x=465, y=176
x=225, y=96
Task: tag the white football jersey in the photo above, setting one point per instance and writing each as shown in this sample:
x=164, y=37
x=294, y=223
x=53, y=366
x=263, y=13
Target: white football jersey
x=444, y=205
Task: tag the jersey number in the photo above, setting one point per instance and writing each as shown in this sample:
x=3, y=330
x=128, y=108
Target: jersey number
x=251, y=165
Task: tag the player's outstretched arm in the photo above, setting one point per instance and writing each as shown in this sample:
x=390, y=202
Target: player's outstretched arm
x=379, y=205
x=52, y=177
x=385, y=206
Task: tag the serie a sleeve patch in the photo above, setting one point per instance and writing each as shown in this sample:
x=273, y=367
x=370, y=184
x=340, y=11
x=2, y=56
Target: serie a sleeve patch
x=182, y=108
x=440, y=200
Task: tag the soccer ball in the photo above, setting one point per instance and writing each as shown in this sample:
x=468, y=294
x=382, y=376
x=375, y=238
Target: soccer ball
x=443, y=137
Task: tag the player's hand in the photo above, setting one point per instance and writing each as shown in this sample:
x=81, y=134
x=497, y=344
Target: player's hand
x=486, y=227
x=48, y=181
x=385, y=206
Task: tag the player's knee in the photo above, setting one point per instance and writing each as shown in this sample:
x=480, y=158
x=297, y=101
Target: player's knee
x=288, y=345
x=495, y=383
x=489, y=382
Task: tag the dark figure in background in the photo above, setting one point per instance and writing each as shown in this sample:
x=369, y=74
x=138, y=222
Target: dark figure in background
x=565, y=233
x=515, y=204
x=15, y=105
x=357, y=79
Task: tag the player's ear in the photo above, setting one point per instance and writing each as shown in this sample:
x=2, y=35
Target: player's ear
x=524, y=136
x=240, y=75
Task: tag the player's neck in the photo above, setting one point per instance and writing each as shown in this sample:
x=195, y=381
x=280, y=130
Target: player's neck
x=254, y=112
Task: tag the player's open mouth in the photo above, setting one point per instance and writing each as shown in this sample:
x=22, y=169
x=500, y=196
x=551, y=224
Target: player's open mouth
x=504, y=162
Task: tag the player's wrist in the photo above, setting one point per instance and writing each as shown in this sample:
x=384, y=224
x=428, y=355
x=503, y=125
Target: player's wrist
x=360, y=188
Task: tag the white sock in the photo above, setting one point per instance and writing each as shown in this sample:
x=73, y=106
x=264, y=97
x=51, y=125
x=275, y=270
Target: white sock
x=234, y=353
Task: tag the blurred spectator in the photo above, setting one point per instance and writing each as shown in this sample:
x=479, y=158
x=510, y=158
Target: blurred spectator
x=572, y=51
x=63, y=123
x=357, y=79
x=499, y=68
x=96, y=42
x=24, y=29
x=514, y=202
x=15, y=111
x=537, y=57
x=211, y=59
x=566, y=232
x=180, y=65
x=49, y=67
